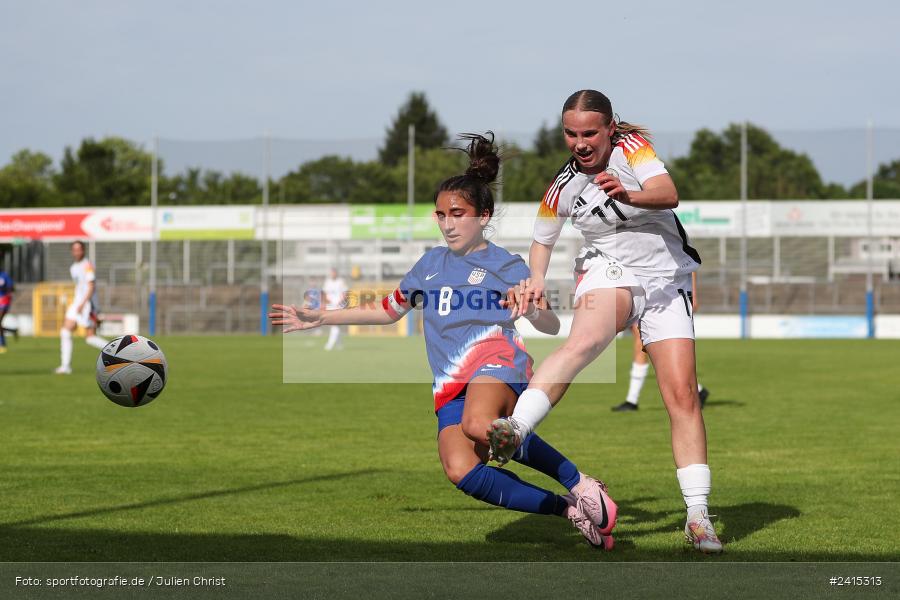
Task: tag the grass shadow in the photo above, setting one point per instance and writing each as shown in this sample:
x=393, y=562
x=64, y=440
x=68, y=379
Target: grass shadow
x=187, y=498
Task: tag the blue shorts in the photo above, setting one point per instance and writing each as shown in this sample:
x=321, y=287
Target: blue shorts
x=452, y=412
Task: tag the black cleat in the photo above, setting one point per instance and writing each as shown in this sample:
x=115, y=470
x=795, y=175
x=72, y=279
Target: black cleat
x=704, y=394
x=625, y=407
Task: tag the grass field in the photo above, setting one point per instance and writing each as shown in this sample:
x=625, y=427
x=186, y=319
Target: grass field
x=229, y=464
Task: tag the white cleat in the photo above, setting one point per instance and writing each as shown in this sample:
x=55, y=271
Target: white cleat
x=63, y=370
x=700, y=533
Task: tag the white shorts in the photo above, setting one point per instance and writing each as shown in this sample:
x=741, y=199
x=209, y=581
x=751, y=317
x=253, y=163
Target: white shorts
x=85, y=318
x=661, y=306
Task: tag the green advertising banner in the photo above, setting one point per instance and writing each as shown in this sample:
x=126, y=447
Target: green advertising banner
x=392, y=221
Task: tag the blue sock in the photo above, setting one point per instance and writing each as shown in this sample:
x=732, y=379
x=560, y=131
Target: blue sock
x=502, y=488
x=541, y=456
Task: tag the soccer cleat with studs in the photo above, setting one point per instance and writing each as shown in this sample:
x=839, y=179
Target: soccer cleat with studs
x=504, y=439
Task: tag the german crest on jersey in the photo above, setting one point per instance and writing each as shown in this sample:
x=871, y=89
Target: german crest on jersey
x=614, y=272
x=477, y=276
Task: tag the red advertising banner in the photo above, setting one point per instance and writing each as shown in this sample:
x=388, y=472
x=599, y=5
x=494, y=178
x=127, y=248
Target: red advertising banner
x=42, y=225
x=104, y=224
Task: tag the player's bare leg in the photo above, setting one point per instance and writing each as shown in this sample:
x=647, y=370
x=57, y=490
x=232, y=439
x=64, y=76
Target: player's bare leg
x=487, y=399
x=674, y=362
x=599, y=315
x=93, y=340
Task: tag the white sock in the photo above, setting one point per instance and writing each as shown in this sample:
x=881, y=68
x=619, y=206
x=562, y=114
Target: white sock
x=638, y=375
x=333, y=336
x=531, y=408
x=96, y=341
x=65, y=347
x=695, y=482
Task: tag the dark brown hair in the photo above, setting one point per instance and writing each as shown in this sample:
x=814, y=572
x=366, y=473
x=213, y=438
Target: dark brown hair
x=475, y=183
x=594, y=101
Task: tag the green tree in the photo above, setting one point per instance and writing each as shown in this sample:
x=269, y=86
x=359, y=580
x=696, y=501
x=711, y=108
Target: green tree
x=527, y=175
x=549, y=141
x=430, y=133
x=432, y=167
x=209, y=187
x=338, y=179
x=711, y=170
x=27, y=181
x=885, y=183
x=111, y=171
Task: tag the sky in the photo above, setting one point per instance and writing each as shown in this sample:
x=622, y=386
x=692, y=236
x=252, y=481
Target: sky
x=335, y=73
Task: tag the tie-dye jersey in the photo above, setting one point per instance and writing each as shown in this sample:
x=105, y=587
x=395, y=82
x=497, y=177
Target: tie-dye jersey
x=649, y=242
x=466, y=329
x=6, y=289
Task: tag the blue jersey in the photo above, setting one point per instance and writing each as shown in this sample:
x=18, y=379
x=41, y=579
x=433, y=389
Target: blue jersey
x=466, y=329
x=6, y=288
x=313, y=298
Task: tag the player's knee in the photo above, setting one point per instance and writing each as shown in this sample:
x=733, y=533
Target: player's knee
x=683, y=398
x=456, y=471
x=65, y=333
x=475, y=428
x=584, y=348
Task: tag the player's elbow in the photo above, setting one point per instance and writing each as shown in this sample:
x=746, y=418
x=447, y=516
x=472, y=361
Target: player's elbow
x=673, y=197
x=551, y=327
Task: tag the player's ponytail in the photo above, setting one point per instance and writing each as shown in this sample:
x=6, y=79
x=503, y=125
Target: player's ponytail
x=475, y=183
x=595, y=101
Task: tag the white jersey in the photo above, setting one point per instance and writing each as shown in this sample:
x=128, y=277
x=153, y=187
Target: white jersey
x=82, y=274
x=335, y=291
x=647, y=242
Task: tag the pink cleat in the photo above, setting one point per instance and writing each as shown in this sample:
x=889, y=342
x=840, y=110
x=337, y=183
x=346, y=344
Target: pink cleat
x=584, y=525
x=700, y=533
x=593, y=500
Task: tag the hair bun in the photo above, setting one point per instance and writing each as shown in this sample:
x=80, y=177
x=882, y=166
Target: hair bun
x=484, y=161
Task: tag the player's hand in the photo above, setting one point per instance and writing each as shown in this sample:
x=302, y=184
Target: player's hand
x=295, y=319
x=613, y=187
x=528, y=293
x=512, y=299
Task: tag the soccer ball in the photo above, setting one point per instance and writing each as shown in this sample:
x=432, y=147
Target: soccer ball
x=131, y=371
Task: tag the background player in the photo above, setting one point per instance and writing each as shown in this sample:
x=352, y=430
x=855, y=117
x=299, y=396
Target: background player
x=476, y=355
x=7, y=287
x=82, y=311
x=641, y=364
x=335, y=292
x=312, y=298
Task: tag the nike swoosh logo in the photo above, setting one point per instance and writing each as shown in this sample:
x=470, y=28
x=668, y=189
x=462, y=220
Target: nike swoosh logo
x=604, y=521
x=428, y=277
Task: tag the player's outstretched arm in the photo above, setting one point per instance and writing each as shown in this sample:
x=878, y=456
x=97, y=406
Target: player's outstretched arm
x=539, y=313
x=301, y=319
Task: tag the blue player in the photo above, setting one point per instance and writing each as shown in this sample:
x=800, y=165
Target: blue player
x=477, y=357
x=7, y=287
